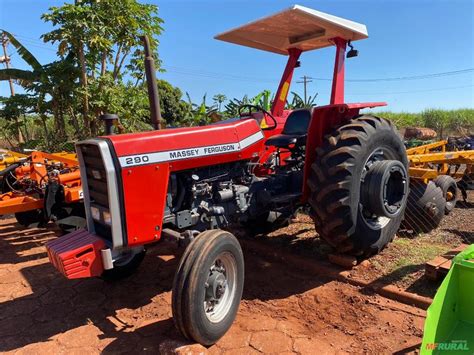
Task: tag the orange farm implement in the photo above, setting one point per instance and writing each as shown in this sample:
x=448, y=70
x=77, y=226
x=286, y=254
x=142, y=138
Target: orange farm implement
x=42, y=187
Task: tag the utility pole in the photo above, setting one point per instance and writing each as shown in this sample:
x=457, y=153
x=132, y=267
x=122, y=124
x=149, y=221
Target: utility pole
x=6, y=60
x=305, y=81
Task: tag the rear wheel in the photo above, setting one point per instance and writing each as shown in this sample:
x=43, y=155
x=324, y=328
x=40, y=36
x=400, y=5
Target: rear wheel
x=207, y=287
x=266, y=223
x=359, y=185
x=450, y=191
x=425, y=207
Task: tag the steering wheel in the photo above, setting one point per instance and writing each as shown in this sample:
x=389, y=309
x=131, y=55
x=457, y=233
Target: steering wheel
x=257, y=108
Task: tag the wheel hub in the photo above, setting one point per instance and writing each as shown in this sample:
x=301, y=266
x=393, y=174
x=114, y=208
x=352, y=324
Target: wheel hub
x=384, y=189
x=220, y=287
x=216, y=285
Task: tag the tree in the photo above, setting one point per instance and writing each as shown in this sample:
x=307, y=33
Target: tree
x=100, y=53
x=54, y=80
x=16, y=74
x=104, y=38
x=219, y=99
x=174, y=110
x=13, y=111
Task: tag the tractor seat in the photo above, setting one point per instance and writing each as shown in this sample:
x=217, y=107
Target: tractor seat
x=294, y=132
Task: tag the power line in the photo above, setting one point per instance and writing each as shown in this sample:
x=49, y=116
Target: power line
x=194, y=72
x=35, y=44
x=412, y=91
x=27, y=38
x=180, y=70
x=413, y=77
x=226, y=76
x=216, y=75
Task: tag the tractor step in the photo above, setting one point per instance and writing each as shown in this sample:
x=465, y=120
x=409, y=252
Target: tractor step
x=438, y=268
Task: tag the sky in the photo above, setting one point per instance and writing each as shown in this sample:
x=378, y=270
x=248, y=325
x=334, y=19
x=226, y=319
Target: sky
x=406, y=38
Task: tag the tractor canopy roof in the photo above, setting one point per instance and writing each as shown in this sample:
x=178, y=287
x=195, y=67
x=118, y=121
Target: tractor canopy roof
x=297, y=27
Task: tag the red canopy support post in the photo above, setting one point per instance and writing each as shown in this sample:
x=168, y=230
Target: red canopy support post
x=337, y=92
x=282, y=92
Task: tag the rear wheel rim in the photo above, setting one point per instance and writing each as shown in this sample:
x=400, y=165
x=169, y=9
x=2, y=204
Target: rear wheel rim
x=451, y=194
x=374, y=221
x=220, y=287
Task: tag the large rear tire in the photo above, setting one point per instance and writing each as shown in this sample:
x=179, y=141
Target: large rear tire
x=349, y=204
x=207, y=287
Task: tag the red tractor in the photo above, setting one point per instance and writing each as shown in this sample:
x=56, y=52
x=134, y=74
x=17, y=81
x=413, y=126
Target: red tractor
x=348, y=169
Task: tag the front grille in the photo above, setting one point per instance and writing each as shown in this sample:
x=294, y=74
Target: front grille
x=97, y=186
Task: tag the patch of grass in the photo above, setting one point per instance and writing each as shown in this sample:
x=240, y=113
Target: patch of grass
x=405, y=252
x=420, y=250
x=402, y=263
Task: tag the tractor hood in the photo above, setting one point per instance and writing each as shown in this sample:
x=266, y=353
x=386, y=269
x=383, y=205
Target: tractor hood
x=185, y=148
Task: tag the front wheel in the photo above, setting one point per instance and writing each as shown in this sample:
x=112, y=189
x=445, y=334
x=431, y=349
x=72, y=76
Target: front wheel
x=359, y=185
x=125, y=266
x=207, y=287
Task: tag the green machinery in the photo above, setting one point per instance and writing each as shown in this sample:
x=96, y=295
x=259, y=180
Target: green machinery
x=449, y=326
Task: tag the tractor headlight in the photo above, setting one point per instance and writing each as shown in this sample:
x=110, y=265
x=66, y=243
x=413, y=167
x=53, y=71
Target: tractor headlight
x=101, y=215
x=96, y=174
x=95, y=212
x=107, y=217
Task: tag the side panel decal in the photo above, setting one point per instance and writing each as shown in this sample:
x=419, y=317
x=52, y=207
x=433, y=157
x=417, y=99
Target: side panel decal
x=188, y=153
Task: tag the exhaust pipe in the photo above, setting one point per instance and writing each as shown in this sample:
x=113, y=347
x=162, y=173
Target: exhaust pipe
x=110, y=120
x=155, y=112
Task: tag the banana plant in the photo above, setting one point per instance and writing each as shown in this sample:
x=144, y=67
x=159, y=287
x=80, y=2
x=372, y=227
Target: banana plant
x=53, y=81
x=201, y=113
x=263, y=99
x=23, y=76
x=298, y=102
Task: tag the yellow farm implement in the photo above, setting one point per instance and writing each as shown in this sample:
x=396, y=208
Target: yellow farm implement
x=438, y=172
x=432, y=160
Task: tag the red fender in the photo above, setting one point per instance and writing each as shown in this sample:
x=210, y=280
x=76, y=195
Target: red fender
x=324, y=119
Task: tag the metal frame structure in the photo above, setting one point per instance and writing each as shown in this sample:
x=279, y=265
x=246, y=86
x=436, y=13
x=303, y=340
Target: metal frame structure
x=429, y=161
x=34, y=168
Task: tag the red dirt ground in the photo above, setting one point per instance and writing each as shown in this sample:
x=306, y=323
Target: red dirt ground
x=282, y=311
